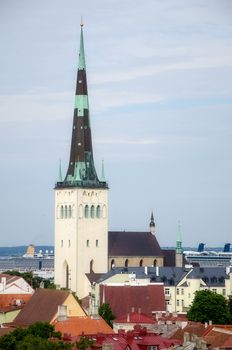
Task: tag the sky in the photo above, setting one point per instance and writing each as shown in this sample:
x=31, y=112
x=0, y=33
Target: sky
x=160, y=90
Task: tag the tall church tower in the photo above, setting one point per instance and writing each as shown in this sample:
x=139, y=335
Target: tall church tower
x=81, y=202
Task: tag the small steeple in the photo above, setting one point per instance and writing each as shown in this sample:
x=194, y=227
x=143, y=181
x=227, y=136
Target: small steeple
x=60, y=177
x=81, y=170
x=103, y=179
x=179, y=251
x=152, y=224
x=179, y=240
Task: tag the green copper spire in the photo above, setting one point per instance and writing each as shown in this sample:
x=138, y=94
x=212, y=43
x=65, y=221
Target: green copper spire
x=81, y=170
x=179, y=240
x=81, y=64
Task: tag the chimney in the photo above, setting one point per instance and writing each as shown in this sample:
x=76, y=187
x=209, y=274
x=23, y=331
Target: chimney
x=157, y=271
x=62, y=313
x=3, y=282
x=128, y=317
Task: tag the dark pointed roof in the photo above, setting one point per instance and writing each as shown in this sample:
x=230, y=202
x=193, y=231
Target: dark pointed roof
x=81, y=170
x=121, y=243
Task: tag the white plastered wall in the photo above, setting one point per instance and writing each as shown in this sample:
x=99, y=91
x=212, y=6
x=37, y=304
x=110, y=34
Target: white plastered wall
x=80, y=240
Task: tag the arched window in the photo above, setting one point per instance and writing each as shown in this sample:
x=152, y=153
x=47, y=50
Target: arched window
x=91, y=266
x=92, y=212
x=154, y=262
x=98, y=211
x=104, y=211
x=61, y=212
x=126, y=263
x=86, y=211
x=66, y=212
x=69, y=211
x=80, y=211
x=141, y=263
x=112, y=265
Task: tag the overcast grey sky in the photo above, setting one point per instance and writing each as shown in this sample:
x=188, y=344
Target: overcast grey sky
x=160, y=88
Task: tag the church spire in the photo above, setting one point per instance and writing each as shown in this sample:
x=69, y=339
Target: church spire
x=81, y=170
x=152, y=224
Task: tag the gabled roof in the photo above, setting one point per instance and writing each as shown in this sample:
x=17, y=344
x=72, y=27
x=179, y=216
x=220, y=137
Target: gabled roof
x=42, y=306
x=133, y=244
x=212, y=276
x=75, y=326
x=148, y=298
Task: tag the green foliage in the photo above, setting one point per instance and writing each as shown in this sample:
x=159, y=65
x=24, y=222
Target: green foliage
x=208, y=306
x=106, y=313
x=34, y=281
x=84, y=343
x=35, y=337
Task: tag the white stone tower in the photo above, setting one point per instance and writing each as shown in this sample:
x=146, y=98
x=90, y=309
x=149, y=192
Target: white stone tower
x=81, y=203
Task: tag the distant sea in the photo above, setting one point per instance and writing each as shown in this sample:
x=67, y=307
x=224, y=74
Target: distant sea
x=22, y=249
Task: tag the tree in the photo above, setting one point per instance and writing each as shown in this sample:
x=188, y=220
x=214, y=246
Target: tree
x=84, y=343
x=209, y=306
x=34, y=337
x=106, y=313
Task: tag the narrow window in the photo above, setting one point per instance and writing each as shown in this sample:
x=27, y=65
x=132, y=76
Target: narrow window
x=66, y=212
x=62, y=243
x=91, y=266
x=154, y=262
x=69, y=243
x=92, y=211
x=69, y=211
x=126, y=262
x=96, y=242
x=87, y=243
x=98, y=211
x=62, y=212
x=141, y=263
x=86, y=211
x=177, y=291
x=112, y=264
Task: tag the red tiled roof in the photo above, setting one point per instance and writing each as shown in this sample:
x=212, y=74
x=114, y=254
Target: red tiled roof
x=135, y=317
x=122, y=298
x=85, y=324
x=10, y=299
x=196, y=328
x=42, y=306
x=133, y=244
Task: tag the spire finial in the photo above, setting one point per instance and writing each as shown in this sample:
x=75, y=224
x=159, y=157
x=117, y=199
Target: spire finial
x=82, y=24
x=152, y=223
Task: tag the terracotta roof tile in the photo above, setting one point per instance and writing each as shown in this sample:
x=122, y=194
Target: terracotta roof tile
x=13, y=299
x=135, y=317
x=87, y=325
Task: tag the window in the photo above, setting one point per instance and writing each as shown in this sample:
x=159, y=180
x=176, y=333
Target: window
x=66, y=212
x=70, y=211
x=167, y=291
x=214, y=290
x=69, y=243
x=92, y=212
x=96, y=242
x=182, y=291
x=87, y=243
x=177, y=291
x=98, y=212
x=182, y=302
x=62, y=212
x=141, y=262
x=223, y=292
x=126, y=262
x=86, y=211
x=177, y=302
x=62, y=243
x=91, y=266
x=112, y=264
x=154, y=262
